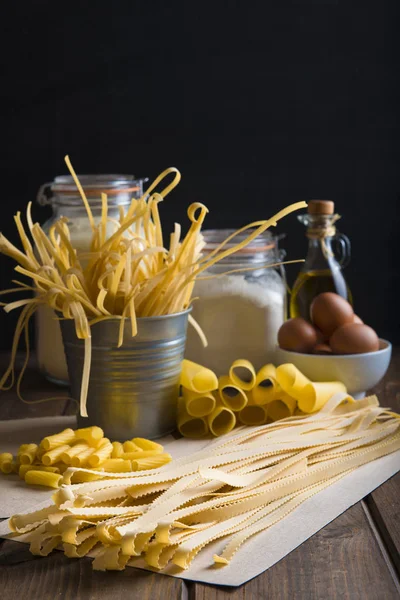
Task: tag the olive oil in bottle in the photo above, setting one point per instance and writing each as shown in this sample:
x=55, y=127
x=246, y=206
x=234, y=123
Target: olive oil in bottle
x=321, y=271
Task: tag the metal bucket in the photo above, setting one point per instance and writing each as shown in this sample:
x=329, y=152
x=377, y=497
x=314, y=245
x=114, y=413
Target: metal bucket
x=133, y=390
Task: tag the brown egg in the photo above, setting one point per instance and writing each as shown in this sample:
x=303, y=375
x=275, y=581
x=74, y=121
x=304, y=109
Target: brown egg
x=354, y=338
x=330, y=311
x=322, y=349
x=356, y=319
x=297, y=335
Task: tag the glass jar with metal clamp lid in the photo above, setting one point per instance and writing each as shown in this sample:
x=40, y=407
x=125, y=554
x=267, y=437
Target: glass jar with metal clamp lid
x=62, y=195
x=240, y=303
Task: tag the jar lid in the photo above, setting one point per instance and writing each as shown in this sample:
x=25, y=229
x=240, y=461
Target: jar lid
x=95, y=184
x=63, y=190
x=262, y=243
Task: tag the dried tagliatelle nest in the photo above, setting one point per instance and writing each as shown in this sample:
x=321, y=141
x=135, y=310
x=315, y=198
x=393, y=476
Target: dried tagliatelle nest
x=236, y=487
x=133, y=273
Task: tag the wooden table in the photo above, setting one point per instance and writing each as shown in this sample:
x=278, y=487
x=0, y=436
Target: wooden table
x=355, y=556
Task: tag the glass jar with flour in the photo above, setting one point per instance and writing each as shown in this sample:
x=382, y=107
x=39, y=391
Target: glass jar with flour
x=240, y=312
x=63, y=196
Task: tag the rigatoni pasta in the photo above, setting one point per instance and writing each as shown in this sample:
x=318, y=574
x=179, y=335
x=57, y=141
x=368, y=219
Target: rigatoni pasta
x=107, y=457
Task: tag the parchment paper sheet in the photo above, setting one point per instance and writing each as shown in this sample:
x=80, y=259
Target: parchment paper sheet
x=259, y=553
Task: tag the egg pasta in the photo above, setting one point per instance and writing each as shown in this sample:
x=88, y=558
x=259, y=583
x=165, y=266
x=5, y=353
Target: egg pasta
x=102, y=456
x=232, y=489
x=133, y=273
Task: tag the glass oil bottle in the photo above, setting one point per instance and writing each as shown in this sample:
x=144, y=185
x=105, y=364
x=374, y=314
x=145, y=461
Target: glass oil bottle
x=321, y=271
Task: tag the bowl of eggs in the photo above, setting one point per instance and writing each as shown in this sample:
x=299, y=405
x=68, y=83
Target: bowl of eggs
x=335, y=346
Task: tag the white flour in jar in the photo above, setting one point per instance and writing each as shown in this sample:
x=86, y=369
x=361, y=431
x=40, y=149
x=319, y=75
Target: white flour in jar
x=240, y=318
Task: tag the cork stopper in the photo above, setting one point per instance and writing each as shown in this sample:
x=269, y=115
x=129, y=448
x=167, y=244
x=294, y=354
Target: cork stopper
x=321, y=207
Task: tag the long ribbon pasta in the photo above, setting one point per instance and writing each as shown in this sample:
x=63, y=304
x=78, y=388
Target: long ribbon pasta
x=233, y=489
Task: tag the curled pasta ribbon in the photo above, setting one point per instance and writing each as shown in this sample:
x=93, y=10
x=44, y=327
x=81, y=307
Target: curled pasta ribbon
x=242, y=374
x=189, y=426
x=198, y=405
x=315, y=395
x=266, y=386
x=221, y=421
x=197, y=378
x=232, y=395
x=291, y=380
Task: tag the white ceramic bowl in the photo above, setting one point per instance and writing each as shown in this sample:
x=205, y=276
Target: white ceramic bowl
x=358, y=372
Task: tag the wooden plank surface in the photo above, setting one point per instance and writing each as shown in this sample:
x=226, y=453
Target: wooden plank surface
x=384, y=503
x=340, y=561
x=347, y=559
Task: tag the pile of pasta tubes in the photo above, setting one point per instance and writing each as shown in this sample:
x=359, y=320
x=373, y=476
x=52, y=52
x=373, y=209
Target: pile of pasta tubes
x=211, y=405
x=231, y=490
x=43, y=464
x=134, y=272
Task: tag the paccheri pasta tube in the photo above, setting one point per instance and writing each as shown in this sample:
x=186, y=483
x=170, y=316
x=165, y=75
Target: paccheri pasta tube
x=101, y=455
x=233, y=489
x=252, y=398
x=231, y=394
x=198, y=405
x=133, y=273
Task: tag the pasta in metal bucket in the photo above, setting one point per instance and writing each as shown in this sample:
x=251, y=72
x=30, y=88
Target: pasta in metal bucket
x=134, y=273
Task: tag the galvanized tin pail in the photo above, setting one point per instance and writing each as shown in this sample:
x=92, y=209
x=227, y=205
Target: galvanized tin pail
x=133, y=390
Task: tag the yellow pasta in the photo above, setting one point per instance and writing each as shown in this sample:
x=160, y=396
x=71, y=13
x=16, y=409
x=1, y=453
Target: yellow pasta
x=49, y=458
x=91, y=435
x=6, y=462
x=188, y=426
x=145, y=444
x=266, y=386
x=79, y=460
x=101, y=453
x=229, y=492
x=28, y=455
x=291, y=380
x=43, y=478
x=315, y=395
x=221, y=421
x=197, y=378
x=281, y=408
x=129, y=446
x=242, y=374
x=74, y=450
x=140, y=454
x=85, y=476
x=232, y=396
x=116, y=465
x=198, y=405
x=22, y=448
x=152, y=462
x=130, y=274
x=253, y=414
x=59, y=439
x=117, y=450
x=23, y=469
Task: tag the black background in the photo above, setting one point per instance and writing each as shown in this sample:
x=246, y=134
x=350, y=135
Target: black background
x=259, y=104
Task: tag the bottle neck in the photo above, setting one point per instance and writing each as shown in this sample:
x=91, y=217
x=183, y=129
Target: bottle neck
x=320, y=233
